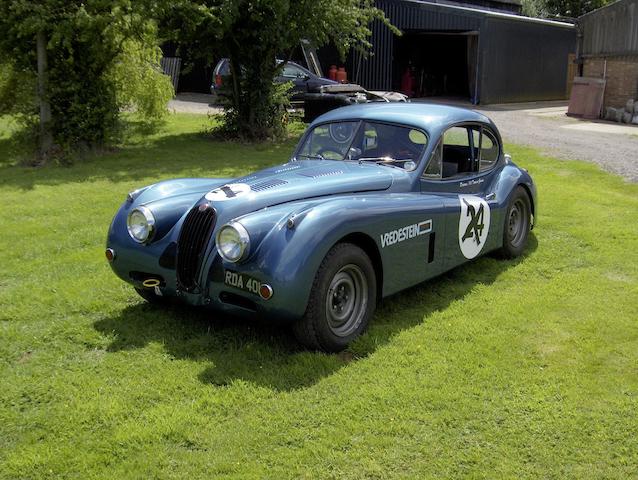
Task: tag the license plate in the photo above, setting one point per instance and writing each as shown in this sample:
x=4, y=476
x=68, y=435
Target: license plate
x=242, y=281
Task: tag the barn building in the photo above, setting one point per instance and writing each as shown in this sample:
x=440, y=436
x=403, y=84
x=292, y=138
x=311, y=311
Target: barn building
x=484, y=53
x=608, y=48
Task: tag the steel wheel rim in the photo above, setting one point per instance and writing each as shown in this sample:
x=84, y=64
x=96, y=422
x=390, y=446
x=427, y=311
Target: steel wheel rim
x=517, y=223
x=346, y=300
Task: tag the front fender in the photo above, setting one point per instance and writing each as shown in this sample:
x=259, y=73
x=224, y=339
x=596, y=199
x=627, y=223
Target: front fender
x=168, y=201
x=289, y=255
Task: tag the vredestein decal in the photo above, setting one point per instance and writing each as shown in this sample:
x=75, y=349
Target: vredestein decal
x=405, y=233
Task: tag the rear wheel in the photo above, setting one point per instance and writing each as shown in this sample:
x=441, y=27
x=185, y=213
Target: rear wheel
x=517, y=224
x=342, y=300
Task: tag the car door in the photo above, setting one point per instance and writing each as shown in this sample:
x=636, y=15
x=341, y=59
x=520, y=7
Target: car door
x=462, y=170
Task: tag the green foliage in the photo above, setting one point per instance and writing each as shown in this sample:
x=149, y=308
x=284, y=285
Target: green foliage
x=102, y=57
x=253, y=34
x=534, y=8
x=16, y=90
x=560, y=8
x=499, y=369
x=140, y=84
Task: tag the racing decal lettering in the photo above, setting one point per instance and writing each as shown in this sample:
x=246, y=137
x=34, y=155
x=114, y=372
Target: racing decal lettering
x=228, y=192
x=474, y=225
x=469, y=183
x=405, y=233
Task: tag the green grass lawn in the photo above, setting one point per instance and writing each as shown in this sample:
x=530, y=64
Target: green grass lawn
x=498, y=369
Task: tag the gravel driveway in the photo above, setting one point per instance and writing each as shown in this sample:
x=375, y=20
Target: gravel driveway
x=542, y=125
x=545, y=126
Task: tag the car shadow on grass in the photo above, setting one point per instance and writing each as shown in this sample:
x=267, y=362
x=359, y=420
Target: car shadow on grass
x=266, y=355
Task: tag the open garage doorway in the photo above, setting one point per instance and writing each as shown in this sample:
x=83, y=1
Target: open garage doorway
x=436, y=64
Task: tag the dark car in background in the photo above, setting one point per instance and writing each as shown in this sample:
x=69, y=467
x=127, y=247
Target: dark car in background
x=303, y=80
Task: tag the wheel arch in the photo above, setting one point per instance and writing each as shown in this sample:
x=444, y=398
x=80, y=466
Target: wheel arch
x=369, y=246
x=532, y=205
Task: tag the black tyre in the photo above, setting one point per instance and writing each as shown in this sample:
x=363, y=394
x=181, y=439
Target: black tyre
x=342, y=300
x=517, y=224
x=150, y=296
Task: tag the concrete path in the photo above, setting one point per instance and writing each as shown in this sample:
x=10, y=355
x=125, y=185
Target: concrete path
x=545, y=126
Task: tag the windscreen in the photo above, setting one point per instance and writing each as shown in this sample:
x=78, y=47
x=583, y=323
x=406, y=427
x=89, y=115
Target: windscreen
x=362, y=141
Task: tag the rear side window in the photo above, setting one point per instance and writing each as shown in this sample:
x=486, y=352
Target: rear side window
x=489, y=150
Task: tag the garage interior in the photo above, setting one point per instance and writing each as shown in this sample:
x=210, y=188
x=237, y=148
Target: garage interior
x=440, y=64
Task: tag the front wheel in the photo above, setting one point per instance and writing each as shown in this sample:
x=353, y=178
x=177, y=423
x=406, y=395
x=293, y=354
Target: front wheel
x=517, y=224
x=342, y=300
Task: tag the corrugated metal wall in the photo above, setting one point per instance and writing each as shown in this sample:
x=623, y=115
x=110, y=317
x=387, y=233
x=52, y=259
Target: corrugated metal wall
x=524, y=61
x=518, y=60
x=376, y=70
x=612, y=30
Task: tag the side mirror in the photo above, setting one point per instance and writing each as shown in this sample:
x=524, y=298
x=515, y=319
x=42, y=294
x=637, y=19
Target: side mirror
x=354, y=153
x=508, y=158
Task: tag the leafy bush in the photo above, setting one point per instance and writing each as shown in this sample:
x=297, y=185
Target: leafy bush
x=102, y=58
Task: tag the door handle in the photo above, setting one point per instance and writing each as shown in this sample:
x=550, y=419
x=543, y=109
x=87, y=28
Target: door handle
x=490, y=196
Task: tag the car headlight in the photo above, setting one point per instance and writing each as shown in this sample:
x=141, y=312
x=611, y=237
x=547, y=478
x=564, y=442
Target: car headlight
x=233, y=242
x=140, y=224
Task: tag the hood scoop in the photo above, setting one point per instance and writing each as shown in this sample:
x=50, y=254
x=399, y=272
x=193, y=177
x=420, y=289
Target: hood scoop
x=320, y=172
x=275, y=182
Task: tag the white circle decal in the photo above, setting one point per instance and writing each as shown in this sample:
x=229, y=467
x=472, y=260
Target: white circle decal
x=474, y=225
x=228, y=192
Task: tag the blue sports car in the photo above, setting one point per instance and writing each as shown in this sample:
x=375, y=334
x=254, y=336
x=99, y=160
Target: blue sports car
x=374, y=199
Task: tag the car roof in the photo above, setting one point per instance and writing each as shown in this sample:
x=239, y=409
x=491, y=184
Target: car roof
x=427, y=116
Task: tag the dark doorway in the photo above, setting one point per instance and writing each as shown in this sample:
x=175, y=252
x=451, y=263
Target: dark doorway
x=440, y=64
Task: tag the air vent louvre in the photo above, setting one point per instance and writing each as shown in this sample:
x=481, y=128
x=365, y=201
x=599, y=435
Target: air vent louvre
x=320, y=172
x=287, y=169
x=258, y=187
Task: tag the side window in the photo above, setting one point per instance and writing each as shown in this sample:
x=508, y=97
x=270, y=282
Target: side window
x=292, y=71
x=457, y=152
x=489, y=150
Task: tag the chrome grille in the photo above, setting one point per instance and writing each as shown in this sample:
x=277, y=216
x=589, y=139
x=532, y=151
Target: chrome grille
x=191, y=246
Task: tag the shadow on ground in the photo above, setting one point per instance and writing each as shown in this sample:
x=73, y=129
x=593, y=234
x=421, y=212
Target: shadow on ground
x=267, y=355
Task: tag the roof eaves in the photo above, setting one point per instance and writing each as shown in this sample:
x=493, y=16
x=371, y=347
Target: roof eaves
x=493, y=14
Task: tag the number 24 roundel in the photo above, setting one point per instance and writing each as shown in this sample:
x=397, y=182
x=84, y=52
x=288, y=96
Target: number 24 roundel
x=474, y=225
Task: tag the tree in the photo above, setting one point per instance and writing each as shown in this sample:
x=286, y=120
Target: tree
x=88, y=59
x=254, y=33
x=560, y=8
x=572, y=8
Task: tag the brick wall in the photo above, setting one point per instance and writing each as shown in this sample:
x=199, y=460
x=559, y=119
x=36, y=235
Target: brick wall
x=622, y=78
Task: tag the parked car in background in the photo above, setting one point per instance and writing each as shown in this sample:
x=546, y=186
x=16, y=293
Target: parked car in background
x=303, y=80
x=375, y=198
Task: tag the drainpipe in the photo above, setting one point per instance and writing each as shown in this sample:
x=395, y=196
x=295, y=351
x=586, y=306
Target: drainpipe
x=579, y=49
